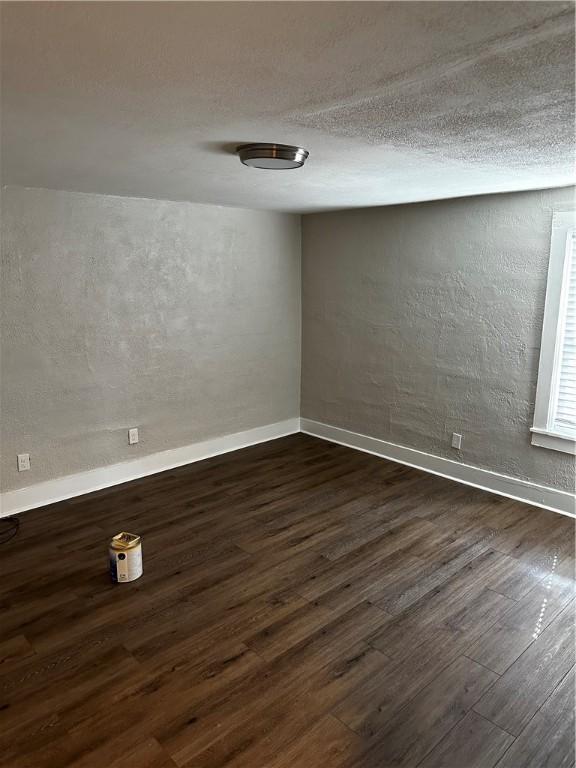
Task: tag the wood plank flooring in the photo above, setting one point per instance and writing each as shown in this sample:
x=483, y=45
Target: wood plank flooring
x=303, y=605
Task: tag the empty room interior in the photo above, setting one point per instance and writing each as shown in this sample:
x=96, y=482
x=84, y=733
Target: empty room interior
x=288, y=385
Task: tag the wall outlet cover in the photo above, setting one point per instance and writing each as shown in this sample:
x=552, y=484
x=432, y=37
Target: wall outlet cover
x=456, y=440
x=23, y=462
x=133, y=436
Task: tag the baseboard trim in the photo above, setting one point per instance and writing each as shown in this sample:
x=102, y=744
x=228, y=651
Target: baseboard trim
x=61, y=488
x=503, y=485
x=69, y=486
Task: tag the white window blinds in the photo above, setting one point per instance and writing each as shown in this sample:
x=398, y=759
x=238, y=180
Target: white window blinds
x=564, y=399
x=554, y=423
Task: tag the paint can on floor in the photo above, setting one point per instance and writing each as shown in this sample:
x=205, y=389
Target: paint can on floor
x=125, y=553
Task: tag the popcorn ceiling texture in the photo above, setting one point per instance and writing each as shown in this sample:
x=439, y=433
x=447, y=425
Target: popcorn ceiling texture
x=475, y=106
x=396, y=101
x=423, y=320
x=183, y=320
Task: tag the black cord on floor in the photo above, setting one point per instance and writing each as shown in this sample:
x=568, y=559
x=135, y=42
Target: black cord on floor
x=8, y=528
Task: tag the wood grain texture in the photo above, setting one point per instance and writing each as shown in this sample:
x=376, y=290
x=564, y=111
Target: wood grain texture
x=474, y=743
x=548, y=739
x=525, y=686
x=302, y=605
x=420, y=724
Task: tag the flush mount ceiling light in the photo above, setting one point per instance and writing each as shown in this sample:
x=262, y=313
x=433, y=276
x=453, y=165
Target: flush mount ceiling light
x=274, y=157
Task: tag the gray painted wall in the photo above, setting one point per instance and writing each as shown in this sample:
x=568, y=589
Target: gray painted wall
x=423, y=320
x=181, y=319
x=184, y=320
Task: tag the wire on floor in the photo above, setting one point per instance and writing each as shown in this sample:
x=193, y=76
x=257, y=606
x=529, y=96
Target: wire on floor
x=8, y=528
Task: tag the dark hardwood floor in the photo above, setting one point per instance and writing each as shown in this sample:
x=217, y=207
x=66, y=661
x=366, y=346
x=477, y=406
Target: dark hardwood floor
x=303, y=605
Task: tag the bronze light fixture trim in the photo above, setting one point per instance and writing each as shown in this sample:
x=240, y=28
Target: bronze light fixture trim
x=273, y=157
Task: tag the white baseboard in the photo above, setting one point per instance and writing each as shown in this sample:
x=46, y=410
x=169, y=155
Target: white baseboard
x=62, y=488
x=503, y=485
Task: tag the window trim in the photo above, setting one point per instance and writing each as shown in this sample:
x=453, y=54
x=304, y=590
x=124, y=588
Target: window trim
x=543, y=434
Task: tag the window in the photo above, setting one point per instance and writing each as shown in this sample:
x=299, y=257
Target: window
x=555, y=411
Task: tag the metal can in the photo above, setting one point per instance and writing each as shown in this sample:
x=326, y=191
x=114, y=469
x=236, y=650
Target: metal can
x=125, y=554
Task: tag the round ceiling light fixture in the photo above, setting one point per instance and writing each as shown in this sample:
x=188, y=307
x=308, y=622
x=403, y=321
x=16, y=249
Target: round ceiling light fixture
x=273, y=157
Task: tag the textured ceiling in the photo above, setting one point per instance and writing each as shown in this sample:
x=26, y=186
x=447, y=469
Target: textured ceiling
x=397, y=102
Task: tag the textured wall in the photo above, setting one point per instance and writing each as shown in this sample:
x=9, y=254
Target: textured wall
x=423, y=320
x=181, y=319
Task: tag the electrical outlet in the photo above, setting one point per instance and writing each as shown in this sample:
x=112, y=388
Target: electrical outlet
x=23, y=462
x=456, y=440
x=133, y=436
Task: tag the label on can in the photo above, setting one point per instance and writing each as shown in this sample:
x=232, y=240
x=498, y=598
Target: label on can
x=126, y=565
